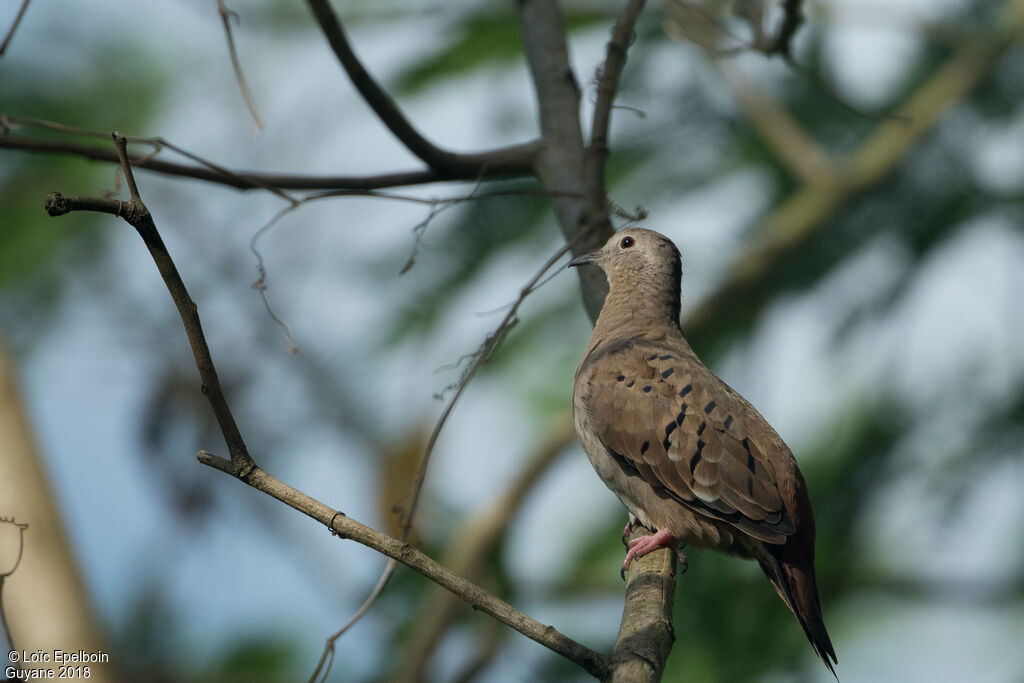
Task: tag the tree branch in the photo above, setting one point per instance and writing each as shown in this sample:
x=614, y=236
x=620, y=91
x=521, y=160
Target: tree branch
x=479, y=599
x=137, y=215
x=245, y=469
x=14, y=27
x=646, y=635
x=607, y=86
x=474, y=541
x=560, y=163
x=517, y=159
x=248, y=180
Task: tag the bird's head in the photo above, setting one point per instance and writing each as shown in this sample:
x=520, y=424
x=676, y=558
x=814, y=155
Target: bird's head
x=636, y=254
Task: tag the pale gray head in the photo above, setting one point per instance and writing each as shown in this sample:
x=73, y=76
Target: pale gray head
x=643, y=269
x=636, y=253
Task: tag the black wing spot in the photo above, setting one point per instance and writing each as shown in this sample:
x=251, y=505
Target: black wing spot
x=728, y=421
x=668, y=372
x=709, y=407
x=647, y=389
x=624, y=463
x=652, y=357
x=670, y=427
x=750, y=486
x=696, y=456
x=666, y=444
x=681, y=415
x=620, y=378
x=631, y=383
x=751, y=463
x=666, y=357
x=700, y=430
x=685, y=390
x=644, y=446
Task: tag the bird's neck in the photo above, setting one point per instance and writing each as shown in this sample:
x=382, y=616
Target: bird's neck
x=639, y=306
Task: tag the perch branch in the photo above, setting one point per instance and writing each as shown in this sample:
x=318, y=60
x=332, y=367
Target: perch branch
x=645, y=634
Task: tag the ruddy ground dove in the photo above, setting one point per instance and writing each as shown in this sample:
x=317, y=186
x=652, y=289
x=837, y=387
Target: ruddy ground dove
x=689, y=457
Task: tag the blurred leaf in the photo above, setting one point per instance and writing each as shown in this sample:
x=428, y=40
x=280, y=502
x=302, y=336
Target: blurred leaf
x=479, y=42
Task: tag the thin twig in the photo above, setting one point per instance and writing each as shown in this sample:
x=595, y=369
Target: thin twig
x=481, y=356
x=226, y=15
x=436, y=204
x=607, y=79
x=3, y=577
x=477, y=537
x=14, y=26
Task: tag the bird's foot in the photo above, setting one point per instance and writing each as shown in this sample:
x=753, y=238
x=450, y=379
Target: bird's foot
x=627, y=530
x=639, y=547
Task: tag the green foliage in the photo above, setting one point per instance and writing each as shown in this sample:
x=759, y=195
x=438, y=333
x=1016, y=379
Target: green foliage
x=481, y=41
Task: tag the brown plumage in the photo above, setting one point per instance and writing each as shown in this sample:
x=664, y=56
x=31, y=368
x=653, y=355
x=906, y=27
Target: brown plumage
x=688, y=456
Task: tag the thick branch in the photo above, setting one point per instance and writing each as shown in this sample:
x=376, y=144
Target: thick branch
x=560, y=163
x=645, y=635
x=516, y=160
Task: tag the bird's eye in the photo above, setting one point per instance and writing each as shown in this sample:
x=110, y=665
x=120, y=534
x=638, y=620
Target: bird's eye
x=627, y=242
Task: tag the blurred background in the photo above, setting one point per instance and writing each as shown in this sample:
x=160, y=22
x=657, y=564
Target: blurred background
x=853, y=264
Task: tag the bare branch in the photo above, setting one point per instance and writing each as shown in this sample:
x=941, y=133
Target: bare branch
x=560, y=164
x=138, y=216
x=14, y=27
x=476, y=539
x=645, y=635
x=607, y=86
x=226, y=15
x=348, y=528
x=517, y=159
x=240, y=180
x=245, y=469
x=481, y=356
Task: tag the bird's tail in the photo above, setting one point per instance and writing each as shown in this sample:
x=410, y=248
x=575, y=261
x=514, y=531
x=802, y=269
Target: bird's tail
x=794, y=582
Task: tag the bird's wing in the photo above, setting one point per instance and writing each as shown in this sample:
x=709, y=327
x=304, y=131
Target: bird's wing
x=660, y=412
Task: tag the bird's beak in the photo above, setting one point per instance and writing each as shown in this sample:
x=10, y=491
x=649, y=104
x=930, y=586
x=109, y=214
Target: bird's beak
x=592, y=257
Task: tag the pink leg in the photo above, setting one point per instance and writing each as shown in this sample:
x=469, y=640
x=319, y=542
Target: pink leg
x=639, y=547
